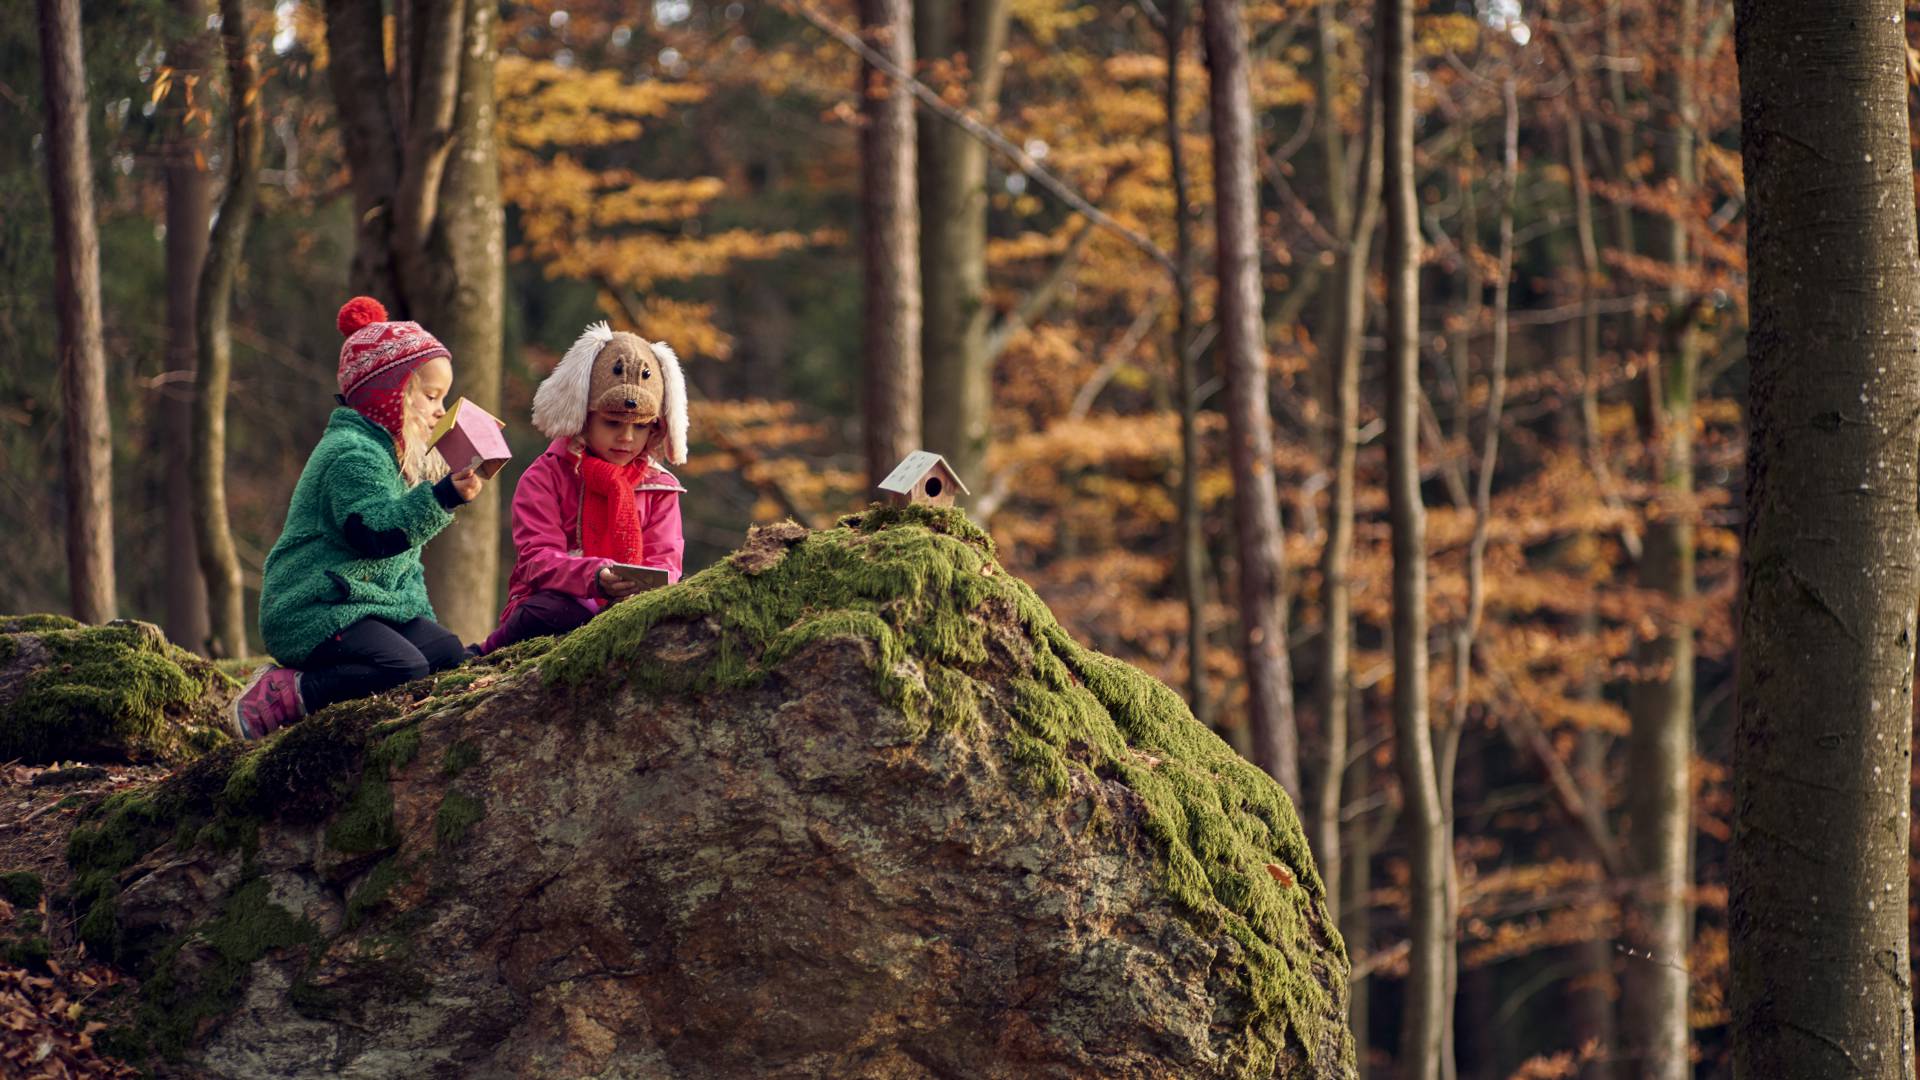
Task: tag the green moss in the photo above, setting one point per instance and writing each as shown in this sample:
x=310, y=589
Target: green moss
x=374, y=889
x=37, y=624
x=365, y=823
x=461, y=756
x=178, y=997
x=458, y=813
x=28, y=952
x=113, y=691
x=21, y=888
x=914, y=582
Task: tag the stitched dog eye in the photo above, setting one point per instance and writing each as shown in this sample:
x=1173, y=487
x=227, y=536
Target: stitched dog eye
x=619, y=368
x=646, y=373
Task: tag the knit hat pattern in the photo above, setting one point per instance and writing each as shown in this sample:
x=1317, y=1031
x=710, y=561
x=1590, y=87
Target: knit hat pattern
x=376, y=359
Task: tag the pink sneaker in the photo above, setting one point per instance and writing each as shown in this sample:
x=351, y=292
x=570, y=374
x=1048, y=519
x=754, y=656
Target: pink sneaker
x=270, y=701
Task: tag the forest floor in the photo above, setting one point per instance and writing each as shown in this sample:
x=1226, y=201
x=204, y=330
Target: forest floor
x=53, y=997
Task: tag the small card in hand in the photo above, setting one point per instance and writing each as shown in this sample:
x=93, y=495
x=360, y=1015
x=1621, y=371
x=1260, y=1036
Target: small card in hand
x=647, y=577
x=470, y=435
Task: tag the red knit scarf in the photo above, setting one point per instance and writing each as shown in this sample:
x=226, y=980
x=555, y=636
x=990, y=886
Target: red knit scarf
x=609, y=517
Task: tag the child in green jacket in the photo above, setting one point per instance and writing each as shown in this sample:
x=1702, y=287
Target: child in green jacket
x=343, y=603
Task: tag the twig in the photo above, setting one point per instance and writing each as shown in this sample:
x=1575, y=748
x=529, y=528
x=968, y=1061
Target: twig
x=974, y=127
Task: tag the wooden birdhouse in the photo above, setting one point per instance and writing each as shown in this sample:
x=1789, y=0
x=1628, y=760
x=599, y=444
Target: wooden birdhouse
x=922, y=477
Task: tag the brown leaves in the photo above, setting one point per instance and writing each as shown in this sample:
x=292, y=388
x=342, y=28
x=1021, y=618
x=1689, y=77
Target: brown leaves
x=1281, y=874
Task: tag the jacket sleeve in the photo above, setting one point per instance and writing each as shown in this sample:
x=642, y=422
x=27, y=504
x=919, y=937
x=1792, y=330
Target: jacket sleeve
x=375, y=523
x=661, y=541
x=540, y=539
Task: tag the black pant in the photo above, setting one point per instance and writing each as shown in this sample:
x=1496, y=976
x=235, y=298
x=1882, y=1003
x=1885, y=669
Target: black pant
x=374, y=655
x=543, y=613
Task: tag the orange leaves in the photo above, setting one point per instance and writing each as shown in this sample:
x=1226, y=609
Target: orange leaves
x=545, y=104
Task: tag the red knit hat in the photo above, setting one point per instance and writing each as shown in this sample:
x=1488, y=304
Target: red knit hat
x=376, y=359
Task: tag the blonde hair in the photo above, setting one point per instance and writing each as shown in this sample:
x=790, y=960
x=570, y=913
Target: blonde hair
x=419, y=463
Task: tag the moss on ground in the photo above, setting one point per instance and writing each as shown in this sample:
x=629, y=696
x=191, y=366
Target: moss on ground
x=21, y=888
x=115, y=691
x=914, y=582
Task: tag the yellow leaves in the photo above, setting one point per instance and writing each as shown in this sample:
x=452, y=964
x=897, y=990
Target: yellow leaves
x=642, y=259
x=1046, y=20
x=1436, y=35
x=687, y=327
x=545, y=104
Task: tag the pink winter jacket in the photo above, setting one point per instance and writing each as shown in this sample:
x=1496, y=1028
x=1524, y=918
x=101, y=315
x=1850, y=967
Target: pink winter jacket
x=546, y=529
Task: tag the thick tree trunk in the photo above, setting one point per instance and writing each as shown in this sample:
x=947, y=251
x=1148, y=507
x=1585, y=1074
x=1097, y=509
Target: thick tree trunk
x=1243, y=360
x=1654, y=1030
x=890, y=216
x=957, y=388
x=1425, y=1008
x=1192, y=537
x=462, y=306
x=76, y=298
x=426, y=183
x=189, y=214
x=219, y=562
x=1818, y=890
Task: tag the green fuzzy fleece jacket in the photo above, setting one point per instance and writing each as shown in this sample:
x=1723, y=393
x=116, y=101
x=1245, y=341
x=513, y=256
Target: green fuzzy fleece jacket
x=351, y=545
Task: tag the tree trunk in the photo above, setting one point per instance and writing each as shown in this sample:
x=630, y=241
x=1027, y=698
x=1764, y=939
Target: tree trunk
x=462, y=306
x=219, y=562
x=1654, y=1029
x=1243, y=357
x=76, y=298
x=1425, y=1008
x=1346, y=324
x=957, y=388
x=1192, y=537
x=1818, y=891
x=189, y=214
x=890, y=217
x=431, y=234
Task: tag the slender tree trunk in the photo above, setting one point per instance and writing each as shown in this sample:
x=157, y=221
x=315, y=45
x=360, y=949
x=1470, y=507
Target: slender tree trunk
x=462, y=305
x=1192, y=538
x=1819, y=889
x=355, y=47
x=1347, y=322
x=76, y=297
x=1354, y=913
x=1654, y=1028
x=1425, y=1008
x=970, y=35
x=219, y=562
x=1263, y=613
x=189, y=214
x=890, y=215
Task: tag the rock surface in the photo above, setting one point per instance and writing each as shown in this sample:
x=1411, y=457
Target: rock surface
x=849, y=804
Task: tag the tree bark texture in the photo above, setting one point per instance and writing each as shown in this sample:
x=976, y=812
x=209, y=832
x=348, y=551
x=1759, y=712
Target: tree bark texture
x=426, y=182
x=890, y=216
x=1192, y=535
x=1657, y=917
x=465, y=294
x=1425, y=1006
x=189, y=215
x=970, y=36
x=219, y=561
x=76, y=297
x=1243, y=360
x=1818, y=892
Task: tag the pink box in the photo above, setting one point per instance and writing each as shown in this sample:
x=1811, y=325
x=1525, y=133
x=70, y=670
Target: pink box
x=469, y=432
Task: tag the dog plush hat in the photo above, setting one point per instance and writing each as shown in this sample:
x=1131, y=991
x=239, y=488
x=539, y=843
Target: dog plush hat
x=623, y=375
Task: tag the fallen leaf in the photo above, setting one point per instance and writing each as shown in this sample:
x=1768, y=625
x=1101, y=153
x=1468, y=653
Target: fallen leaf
x=1281, y=874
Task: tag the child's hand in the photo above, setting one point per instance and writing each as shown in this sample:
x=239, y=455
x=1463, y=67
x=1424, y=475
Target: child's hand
x=614, y=586
x=468, y=482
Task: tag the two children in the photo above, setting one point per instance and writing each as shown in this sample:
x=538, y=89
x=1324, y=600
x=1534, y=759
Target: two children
x=344, y=608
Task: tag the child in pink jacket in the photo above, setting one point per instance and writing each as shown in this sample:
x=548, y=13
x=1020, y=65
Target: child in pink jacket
x=615, y=408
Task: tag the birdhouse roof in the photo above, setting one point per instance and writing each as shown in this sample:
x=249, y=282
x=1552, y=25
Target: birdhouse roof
x=915, y=466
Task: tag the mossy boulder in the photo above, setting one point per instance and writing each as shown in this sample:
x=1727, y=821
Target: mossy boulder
x=847, y=804
x=119, y=692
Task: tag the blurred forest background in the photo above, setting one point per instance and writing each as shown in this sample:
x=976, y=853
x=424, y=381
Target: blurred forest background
x=693, y=171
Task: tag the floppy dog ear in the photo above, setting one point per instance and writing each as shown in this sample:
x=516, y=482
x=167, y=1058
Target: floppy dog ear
x=673, y=405
x=560, y=404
